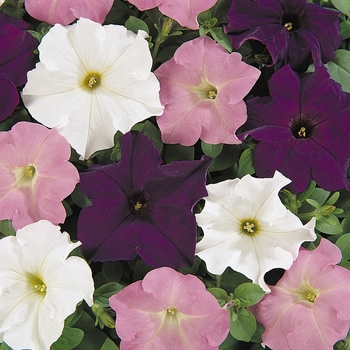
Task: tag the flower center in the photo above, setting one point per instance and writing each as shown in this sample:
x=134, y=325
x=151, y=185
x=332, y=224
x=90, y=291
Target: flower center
x=306, y=293
x=290, y=22
x=137, y=203
x=249, y=227
x=91, y=81
x=205, y=91
x=25, y=176
x=38, y=285
x=212, y=94
x=171, y=311
x=288, y=25
x=302, y=127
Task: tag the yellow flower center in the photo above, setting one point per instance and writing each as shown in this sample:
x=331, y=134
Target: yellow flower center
x=212, y=94
x=25, y=176
x=302, y=132
x=91, y=81
x=306, y=293
x=249, y=227
x=38, y=285
x=288, y=26
x=205, y=91
x=171, y=311
x=137, y=206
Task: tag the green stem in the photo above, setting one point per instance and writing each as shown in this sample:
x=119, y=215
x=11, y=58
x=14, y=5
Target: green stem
x=218, y=281
x=162, y=36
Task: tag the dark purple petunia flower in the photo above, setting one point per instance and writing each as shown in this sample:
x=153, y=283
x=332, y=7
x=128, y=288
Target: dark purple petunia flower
x=303, y=130
x=294, y=31
x=16, y=59
x=142, y=207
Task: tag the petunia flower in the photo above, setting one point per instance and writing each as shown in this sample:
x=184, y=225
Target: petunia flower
x=39, y=285
x=202, y=89
x=247, y=227
x=309, y=307
x=294, y=31
x=303, y=129
x=66, y=11
x=92, y=81
x=169, y=310
x=35, y=174
x=185, y=12
x=16, y=58
x=142, y=207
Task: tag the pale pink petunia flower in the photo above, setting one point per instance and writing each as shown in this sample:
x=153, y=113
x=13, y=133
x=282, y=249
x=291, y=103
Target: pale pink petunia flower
x=202, y=88
x=185, y=12
x=66, y=11
x=309, y=307
x=35, y=174
x=169, y=310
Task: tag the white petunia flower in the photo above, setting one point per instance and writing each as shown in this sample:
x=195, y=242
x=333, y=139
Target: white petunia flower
x=91, y=81
x=39, y=285
x=247, y=227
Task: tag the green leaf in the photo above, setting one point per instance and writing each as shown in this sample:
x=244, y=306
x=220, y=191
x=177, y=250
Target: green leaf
x=94, y=340
x=211, y=150
x=230, y=280
x=177, y=152
x=329, y=224
x=109, y=345
x=4, y=346
x=6, y=228
x=220, y=295
x=306, y=194
x=79, y=198
x=345, y=29
x=153, y=133
x=245, y=164
x=244, y=327
x=204, y=17
x=342, y=6
x=229, y=343
x=103, y=293
x=339, y=68
x=221, y=38
x=343, y=243
x=69, y=339
x=333, y=198
x=85, y=322
x=248, y=294
x=314, y=203
x=74, y=317
x=135, y=24
x=112, y=271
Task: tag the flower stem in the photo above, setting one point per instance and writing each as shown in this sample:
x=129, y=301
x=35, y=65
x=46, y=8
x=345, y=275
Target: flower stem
x=162, y=36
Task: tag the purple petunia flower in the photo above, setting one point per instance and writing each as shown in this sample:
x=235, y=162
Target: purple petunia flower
x=294, y=31
x=303, y=129
x=142, y=207
x=16, y=59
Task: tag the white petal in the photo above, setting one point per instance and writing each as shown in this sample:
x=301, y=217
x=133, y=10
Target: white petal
x=275, y=245
x=127, y=93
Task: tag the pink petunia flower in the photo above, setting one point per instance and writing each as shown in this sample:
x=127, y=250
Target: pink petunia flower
x=35, y=174
x=66, y=11
x=169, y=310
x=184, y=12
x=202, y=88
x=309, y=307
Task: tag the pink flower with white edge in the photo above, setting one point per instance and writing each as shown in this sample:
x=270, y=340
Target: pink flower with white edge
x=202, y=89
x=185, y=12
x=169, y=310
x=35, y=174
x=66, y=11
x=309, y=307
